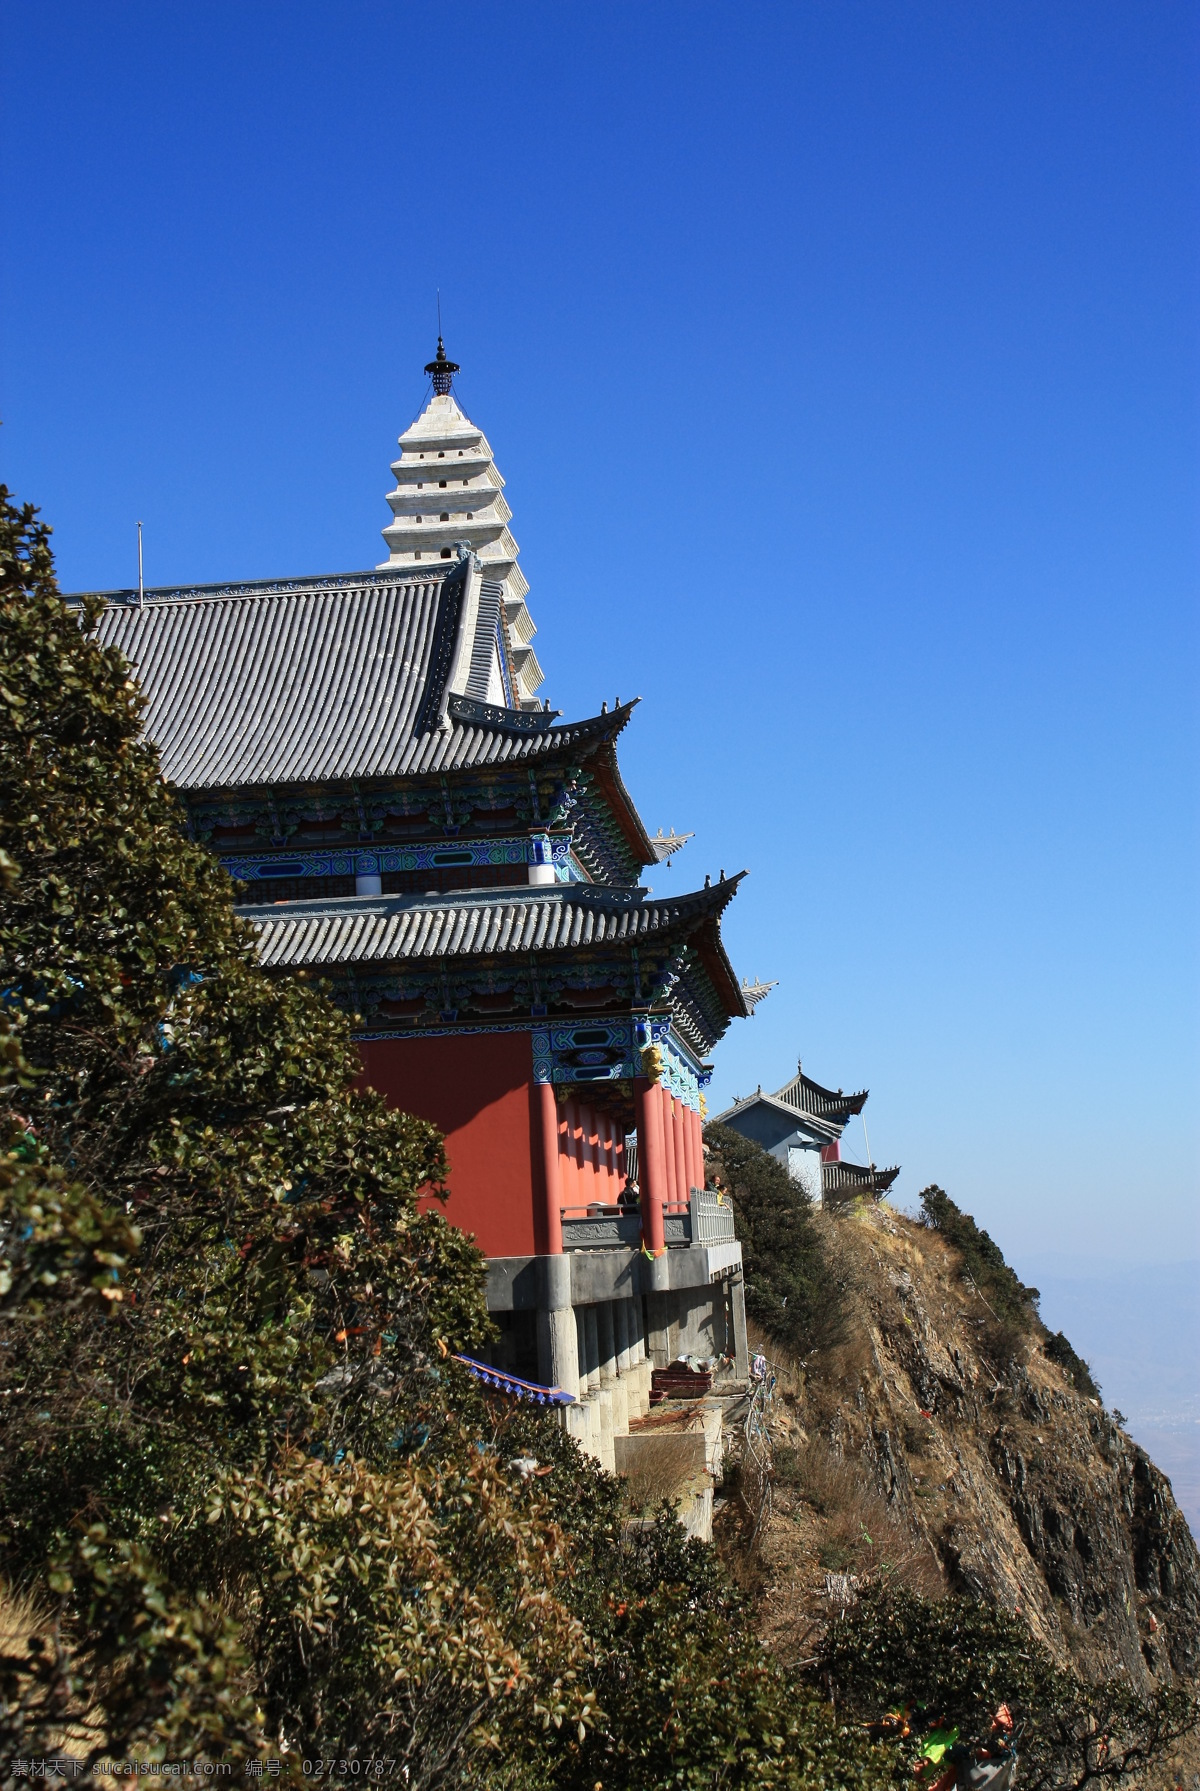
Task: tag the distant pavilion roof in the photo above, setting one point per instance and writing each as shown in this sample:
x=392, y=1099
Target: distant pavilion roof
x=848, y=1181
x=807, y=1096
x=826, y=1109
x=310, y=680
x=354, y=930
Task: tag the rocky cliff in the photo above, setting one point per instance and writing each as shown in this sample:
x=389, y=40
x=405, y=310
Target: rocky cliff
x=939, y=1443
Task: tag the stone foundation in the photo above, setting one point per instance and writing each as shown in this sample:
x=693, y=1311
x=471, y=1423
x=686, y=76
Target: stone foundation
x=598, y=1322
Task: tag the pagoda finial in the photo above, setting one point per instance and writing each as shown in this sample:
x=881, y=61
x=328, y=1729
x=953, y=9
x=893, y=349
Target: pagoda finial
x=441, y=371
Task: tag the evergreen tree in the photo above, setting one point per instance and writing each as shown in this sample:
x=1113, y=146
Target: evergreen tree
x=793, y=1290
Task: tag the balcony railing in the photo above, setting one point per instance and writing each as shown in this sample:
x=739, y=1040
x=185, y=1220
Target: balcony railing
x=706, y=1219
x=712, y=1217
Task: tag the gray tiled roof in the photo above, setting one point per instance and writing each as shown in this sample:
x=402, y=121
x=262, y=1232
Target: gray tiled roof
x=314, y=680
x=807, y=1096
x=484, y=923
x=802, y=1097
x=767, y=1120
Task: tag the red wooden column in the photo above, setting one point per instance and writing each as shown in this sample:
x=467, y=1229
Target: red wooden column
x=604, y=1129
x=566, y=1145
x=671, y=1192
x=681, y=1150
x=698, y=1147
x=593, y=1151
x=652, y=1167
x=551, y=1172
x=689, y=1148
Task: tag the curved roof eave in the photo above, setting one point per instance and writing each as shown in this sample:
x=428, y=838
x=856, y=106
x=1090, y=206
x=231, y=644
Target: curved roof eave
x=487, y=922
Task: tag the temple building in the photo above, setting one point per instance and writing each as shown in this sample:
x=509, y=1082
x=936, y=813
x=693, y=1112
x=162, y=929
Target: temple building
x=366, y=754
x=802, y=1124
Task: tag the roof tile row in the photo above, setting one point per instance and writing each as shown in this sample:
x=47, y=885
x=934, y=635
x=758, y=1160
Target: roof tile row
x=370, y=929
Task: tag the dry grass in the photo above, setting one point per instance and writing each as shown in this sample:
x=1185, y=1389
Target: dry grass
x=51, y=1723
x=858, y=1532
x=666, y=1472
x=21, y=1620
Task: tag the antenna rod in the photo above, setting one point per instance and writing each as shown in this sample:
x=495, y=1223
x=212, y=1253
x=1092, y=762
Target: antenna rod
x=141, y=586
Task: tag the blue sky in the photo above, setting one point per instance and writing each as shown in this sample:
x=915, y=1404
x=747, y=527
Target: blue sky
x=841, y=361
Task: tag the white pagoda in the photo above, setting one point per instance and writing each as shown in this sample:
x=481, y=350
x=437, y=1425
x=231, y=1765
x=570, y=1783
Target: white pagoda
x=449, y=496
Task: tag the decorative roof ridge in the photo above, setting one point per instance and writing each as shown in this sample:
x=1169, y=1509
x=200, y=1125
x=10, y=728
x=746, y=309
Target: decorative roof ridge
x=600, y=730
x=502, y=720
x=269, y=587
x=447, y=638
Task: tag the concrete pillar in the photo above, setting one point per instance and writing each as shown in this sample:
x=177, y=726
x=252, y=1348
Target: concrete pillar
x=579, y=1421
x=741, y=1351
x=592, y=1339
x=557, y=1336
x=658, y=1329
x=604, y=1406
x=635, y=1370
x=642, y=1363
x=607, y=1340
x=651, y=1161
x=609, y=1368
x=622, y=1324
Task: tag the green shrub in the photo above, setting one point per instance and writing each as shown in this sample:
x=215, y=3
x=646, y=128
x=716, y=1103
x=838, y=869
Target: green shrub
x=793, y=1291
x=953, y=1662
x=1074, y=1367
x=1012, y=1307
x=983, y=1262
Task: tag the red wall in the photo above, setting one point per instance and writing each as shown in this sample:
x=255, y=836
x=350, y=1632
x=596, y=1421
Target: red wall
x=480, y=1092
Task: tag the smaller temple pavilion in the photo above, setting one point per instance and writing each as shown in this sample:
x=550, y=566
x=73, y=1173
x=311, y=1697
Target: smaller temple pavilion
x=802, y=1124
x=366, y=753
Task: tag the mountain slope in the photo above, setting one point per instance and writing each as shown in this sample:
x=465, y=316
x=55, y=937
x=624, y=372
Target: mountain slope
x=940, y=1440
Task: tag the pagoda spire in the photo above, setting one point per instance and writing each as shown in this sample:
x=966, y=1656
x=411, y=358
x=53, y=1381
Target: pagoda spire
x=441, y=371
x=449, y=493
